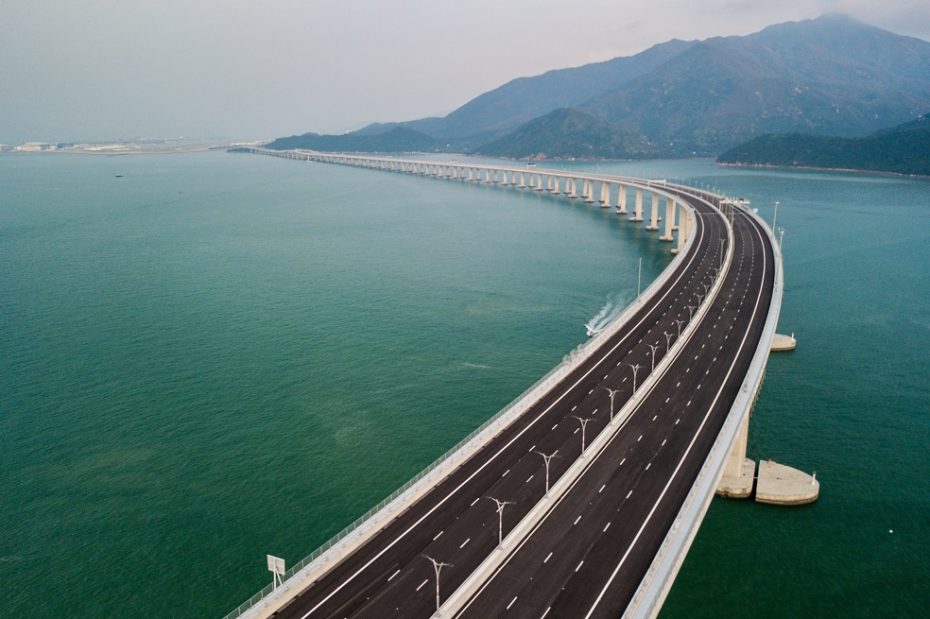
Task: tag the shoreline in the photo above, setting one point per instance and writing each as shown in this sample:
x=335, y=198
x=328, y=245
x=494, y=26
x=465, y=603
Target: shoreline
x=773, y=166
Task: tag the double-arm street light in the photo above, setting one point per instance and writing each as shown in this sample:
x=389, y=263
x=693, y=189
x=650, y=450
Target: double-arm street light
x=500, y=518
x=612, y=393
x=653, y=348
x=547, y=460
x=437, y=567
x=584, y=424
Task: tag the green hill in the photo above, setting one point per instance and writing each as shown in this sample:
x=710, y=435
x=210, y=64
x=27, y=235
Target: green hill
x=904, y=149
x=567, y=133
x=393, y=140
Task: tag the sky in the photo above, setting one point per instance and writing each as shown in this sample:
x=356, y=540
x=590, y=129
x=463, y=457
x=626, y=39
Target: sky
x=99, y=70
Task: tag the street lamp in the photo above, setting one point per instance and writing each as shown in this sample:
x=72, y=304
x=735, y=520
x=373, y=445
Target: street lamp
x=668, y=340
x=775, y=216
x=612, y=393
x=584, y=424
x=635, y=369
x=639, y=279
x=500, y=518
x=437, y=567
x=691, y=309
x=653, y=348
x=679, y=323
x=547, y=460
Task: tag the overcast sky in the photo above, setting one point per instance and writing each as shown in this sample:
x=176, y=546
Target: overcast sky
x=105, y=69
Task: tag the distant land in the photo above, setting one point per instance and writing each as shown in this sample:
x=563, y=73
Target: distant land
x=904, y=149
x=831, y=76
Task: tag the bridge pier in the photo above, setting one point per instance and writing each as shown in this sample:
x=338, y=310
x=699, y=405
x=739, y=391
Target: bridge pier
x=654, y=213
x=638, y=208
x=605, y=194
x=621, y=199
x=669, y=219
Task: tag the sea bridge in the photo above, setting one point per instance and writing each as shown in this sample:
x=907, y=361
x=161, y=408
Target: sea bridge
x=582, y=497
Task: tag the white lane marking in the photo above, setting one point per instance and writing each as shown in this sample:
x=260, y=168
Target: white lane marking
x=640, y=438
x=555, y=426
x=605, y=376
x=656, y=416
x=664, y=441
x=440, y=533
x=624, y=379
x=548, y=556
x=532, y=448
x=576, y=406
x=628, y=494
x=689, y=403
x=576, y=431
x=579, y=565
x=622, y=461
x=505, y=473
x=690, y=445
x=511, y=602
x=667, y=399
x=465, y=543
x=545, y=613
x=475, y=501
x=602, y=489
x=606, y=526
x=648, y=465
x=393, y=575
x=528, y=479
x=592, y=391
x=422, y=584
x=576, y=520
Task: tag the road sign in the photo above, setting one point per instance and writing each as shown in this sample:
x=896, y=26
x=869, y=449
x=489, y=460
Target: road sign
x=276, y=565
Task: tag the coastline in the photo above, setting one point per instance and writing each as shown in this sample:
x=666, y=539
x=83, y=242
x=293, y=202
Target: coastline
x=772, y=166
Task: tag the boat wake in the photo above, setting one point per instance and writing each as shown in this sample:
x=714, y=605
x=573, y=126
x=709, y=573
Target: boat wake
x=605, y=315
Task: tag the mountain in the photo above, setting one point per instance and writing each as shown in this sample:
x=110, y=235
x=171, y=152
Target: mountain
x=830, y=75
x=904, y=149
x=567, y=133
x=525, y=98
x=393, y=140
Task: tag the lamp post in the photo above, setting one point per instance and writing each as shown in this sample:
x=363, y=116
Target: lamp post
x=584, y=424
x=668, y=340
x=612, y=393
x=775, y=215
x=691, y=309
x=639, y=278
x=547, y=460
x=500, y=518
x=635, y=369
x=679, y=323
x=653, y=348
x=437, y=567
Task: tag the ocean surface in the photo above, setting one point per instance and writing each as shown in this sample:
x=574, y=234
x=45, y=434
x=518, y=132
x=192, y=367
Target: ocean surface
x=214, y=357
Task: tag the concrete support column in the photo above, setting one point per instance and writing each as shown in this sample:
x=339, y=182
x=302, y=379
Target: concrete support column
x=549, y=184
x=522, y=184
x=622, y=190
x=654, y=213
x=556, y=181
x=589, y=191
x=605, y=195
x=540, y=184
x=683, y=227
x=638, y=209
x=669, y=219
x=572, y=189
x=734, y=463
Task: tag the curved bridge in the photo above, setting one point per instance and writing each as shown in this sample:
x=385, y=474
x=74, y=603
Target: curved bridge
x=582, y=497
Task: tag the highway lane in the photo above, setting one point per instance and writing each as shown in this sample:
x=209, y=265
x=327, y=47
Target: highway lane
x=588, y=556
x=455, y=521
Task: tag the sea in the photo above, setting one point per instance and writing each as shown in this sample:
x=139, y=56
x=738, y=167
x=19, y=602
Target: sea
x=206, y=358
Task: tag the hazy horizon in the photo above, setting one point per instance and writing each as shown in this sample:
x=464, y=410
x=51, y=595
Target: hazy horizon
x=98, y=71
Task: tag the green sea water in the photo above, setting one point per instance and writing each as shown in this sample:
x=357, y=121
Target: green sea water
x=220, y=356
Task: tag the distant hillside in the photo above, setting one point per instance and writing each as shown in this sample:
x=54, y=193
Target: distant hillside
x=830, y=75
x=567, y=133
x=904, y=149
x=394, y=140
x=525, y=98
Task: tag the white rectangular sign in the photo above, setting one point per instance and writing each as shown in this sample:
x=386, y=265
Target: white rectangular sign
x=276, y=565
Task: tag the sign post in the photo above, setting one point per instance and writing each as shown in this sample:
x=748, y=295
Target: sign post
x=276, y=567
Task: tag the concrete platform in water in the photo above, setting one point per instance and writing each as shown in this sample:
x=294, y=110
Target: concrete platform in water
x=782, y=485
x=781, y=343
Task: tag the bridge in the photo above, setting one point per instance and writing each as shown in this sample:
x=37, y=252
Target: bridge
x=582, y=497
